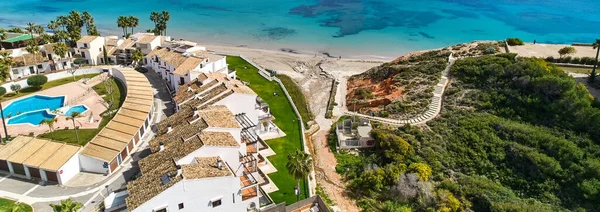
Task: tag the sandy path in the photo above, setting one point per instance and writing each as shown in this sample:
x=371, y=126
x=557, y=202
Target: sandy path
x=331, y=181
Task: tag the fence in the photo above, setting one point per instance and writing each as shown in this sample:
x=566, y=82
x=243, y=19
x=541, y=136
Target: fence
x=54, y=76
x=264, y=73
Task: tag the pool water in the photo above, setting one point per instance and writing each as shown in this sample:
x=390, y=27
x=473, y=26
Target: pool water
x=33, y=103
x=79, y=108
x=32, y=118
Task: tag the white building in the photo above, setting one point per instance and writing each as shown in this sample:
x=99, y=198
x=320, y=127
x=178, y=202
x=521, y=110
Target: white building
x=90, y=48
x=181, y=63
x=354, y=134
x=57, y=62
x=199, y=164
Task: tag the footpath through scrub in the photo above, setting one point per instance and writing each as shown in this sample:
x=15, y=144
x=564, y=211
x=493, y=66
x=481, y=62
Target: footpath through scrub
x=285, y=119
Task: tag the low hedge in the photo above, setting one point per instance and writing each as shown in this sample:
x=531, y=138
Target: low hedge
x=514, y=42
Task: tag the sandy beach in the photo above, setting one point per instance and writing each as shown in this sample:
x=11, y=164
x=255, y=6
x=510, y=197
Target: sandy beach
x=314, y=73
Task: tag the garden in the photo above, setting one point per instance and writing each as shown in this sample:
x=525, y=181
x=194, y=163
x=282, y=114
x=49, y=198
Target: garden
x=285, y=119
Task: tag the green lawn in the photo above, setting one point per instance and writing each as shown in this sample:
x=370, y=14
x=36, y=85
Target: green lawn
x=285, y=119
x=298, y=96
x=85, y=135
x=576, y=70
x=6, y=205
x=30, y=90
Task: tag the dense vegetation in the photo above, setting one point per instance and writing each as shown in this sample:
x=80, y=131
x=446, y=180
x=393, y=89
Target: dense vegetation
x=415, y=76
x=516, y=134
x=514, y=42
x=297, y=96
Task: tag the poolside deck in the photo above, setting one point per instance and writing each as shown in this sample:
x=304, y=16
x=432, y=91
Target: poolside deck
x=75, y=93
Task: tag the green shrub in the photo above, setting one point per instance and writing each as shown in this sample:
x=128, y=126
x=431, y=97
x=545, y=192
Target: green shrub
x=15, y=87
x=37, y=80
x=565, y=60
x=80, y=61
x=567, y=50
x=2, y=91
x=576, y=60
x=514, y=42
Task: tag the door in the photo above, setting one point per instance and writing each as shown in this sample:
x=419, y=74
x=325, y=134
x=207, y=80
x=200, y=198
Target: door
x=130, y=146
x=18, y=168
x=4, y=166
x=34, y=173
x=51, y=176
x=124, y=153
x=113, y=166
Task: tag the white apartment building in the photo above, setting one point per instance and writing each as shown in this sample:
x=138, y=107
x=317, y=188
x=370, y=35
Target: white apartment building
x=199, y=164
x=90, y=48
x=181, y=62
x=57, y=62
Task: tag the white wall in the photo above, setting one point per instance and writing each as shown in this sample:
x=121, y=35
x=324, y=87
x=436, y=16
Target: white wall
x=90, y=164
x=53, y=76
x=196, y=195
x=230, y=155
x=241, y=103
x=69, y=169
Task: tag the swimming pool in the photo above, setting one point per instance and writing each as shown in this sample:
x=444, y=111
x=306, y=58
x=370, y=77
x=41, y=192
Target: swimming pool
x=33, y=118
x=33, y=103
x=79, y=108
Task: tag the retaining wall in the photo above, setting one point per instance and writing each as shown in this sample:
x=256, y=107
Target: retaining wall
x=54, y=76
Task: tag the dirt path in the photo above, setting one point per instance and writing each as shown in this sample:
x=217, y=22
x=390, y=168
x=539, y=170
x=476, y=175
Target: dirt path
x=331, y=181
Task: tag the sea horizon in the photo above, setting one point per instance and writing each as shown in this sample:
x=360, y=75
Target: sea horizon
x=354, y=29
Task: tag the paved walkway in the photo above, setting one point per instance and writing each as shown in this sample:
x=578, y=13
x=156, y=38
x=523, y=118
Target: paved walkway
x=91, y=196
x=434, y=107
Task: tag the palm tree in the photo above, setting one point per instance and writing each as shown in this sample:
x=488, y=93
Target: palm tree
x=17, y=207
x=61, y=50
x=46, y=38
x=30, y=28
x=165, y=17
x=3, y=36
x=72, y=117
x=39, y=29
x=8, y=61
x=122, y=22
x=137, y=56
x=596, y=46
x=34, y=49
x=53, y=25
x=50, y=123
x=61, y=35
x=66, y=206
x=155, y=17
x=299, y=165
x=133, y=22
x=87, y=21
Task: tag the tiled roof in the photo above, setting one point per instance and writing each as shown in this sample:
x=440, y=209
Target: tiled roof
x=49, y=48
x=189, y=64
x=87, y=39
x=219, y=116
x=218, y=139
x=146, y=39
x=29, y=60
x=205, y=167
x=107, y=145
x=235, y=85
x=126, y=44
x=112, y=42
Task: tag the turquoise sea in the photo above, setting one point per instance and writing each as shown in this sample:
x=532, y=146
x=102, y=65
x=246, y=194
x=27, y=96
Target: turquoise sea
x=351, y=28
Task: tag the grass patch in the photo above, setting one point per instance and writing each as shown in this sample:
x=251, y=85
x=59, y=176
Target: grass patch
x=6, y=205
x=85, y=135
x=579, y=70
x=30, y=90
x=285, y=119
x=298, y=97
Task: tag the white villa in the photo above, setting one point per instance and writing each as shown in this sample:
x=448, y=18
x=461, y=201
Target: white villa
x=90, y=47
x=118, y=50
x=354, y=134
x=182, y=61
x=29, y=64
x=200, y=163
x=210, y=155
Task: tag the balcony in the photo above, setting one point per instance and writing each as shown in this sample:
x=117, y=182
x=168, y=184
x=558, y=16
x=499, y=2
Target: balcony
x=265, y=116
x=251, y=149
x=249, y=193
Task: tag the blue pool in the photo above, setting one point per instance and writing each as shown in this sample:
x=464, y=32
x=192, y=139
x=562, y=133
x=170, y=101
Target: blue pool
x=33, y=103
x=32, y=118
x=78, y=108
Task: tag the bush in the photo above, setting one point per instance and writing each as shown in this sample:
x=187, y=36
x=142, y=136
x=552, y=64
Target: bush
x=2, y=91
x=80, y=61
x=567, y=50
x=15, y=87
x=576, y=60
x=550, y=59
x=37, y=80
x=565, y=60
x=141, y=69
x=514, y=42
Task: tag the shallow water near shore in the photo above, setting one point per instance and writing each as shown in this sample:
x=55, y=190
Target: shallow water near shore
x=350, y=28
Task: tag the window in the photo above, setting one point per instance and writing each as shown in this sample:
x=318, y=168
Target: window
x=39, y=66
x=15, y=71
x=161, y=210
x=99, y=49
x=216, y=203
x=180, y=206
x=82, y=54
x=85, y=45
x=64, y=64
